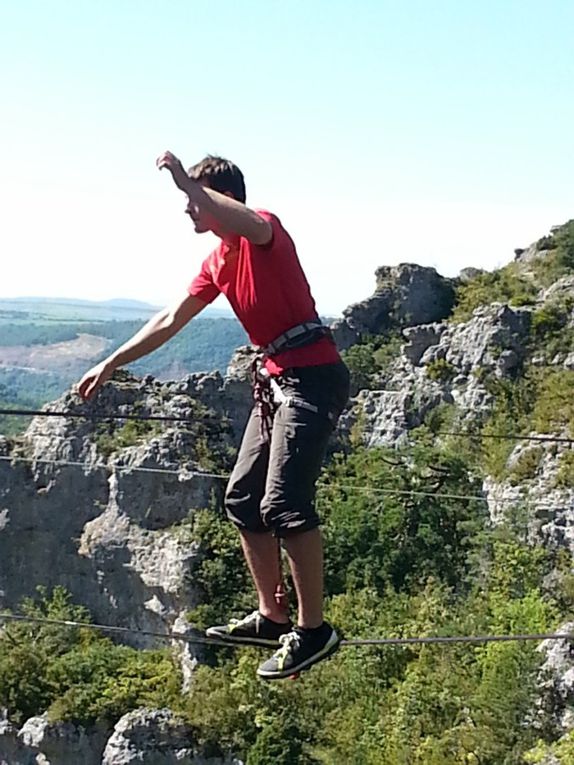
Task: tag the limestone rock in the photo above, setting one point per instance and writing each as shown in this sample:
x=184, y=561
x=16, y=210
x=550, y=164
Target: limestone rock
x=562, y=288
x=556, y=679
x=492, y=341
x=12, y=750
x=468, y=274
x=154, y=737
x=419, y=339
x=344, y=335
x=549, y=506
x=527, y=254
x=406, y=295
x=58, y=743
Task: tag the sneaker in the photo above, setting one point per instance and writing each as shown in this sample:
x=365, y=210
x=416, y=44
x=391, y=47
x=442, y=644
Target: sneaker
x=254, y=629
x=300, y=649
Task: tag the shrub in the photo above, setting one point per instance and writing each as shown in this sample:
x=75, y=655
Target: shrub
x=565, y=475
x=554, y=406
x=526, y=465
x=368, y=359
x=220, y=574
x=440, y=370
x=559, y=260
x=507, y=285
x=549, y=319
x=73, y=672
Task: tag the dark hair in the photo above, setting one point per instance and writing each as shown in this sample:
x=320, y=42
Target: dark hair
x=221, y=175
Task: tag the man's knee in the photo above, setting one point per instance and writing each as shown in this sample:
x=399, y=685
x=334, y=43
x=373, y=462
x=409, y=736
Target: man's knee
x=285, y=519
x=244, y=514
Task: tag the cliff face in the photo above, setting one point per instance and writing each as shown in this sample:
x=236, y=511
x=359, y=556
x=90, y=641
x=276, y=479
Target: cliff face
x=105, y=509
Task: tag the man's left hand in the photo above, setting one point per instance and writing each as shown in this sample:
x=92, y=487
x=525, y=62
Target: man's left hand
x=180, y=177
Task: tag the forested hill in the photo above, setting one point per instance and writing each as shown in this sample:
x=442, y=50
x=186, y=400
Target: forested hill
x=46, y=346
x=447, y=504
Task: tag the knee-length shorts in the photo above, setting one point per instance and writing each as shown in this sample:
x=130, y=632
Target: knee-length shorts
x=272, y=486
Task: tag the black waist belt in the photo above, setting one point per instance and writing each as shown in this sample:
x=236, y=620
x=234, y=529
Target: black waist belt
x=301, y=334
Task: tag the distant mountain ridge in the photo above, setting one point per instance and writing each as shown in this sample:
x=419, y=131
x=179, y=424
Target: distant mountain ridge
x=54, y=308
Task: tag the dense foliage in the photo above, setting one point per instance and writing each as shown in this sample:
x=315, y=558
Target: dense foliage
x=75, y=673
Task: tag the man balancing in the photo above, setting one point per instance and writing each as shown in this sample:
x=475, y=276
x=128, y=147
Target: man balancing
x=300, y=389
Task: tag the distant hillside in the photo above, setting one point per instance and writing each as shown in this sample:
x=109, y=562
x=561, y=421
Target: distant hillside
x=41, y=358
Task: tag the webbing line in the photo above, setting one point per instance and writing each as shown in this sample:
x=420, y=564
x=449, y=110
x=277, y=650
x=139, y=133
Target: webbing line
x=97, y=416
x=176, y=418
x=506, y=436
x=183, y=472
x=113, y=468
x=438, y=640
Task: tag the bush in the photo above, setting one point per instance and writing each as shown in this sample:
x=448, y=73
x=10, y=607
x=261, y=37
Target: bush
x=379, y=538
x=440, y=370
x=559, y=260
x=73, y=672
x=554, y=407
x=368, y=360
x=526, y=465
x=549, y=319
x=221, y=574
x=565, y=475
x=507, y=285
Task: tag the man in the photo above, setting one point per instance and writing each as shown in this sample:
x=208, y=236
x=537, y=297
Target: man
x=300, y=390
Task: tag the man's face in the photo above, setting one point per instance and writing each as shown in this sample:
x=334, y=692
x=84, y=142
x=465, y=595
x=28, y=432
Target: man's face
x=200, y=219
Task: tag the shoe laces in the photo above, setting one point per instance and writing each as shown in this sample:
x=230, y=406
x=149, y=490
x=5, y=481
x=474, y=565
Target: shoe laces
x=254, y=616
x=289, y=641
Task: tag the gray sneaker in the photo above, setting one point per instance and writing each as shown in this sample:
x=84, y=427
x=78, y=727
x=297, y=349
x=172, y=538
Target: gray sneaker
x=254, y=629
x=300, y=649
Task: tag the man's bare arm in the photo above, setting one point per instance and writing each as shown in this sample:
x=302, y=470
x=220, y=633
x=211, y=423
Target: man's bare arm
x=158, y=330
x=232, y=216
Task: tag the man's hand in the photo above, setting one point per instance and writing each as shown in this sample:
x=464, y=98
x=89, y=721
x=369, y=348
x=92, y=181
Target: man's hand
x=94, y=379
x=180, y=177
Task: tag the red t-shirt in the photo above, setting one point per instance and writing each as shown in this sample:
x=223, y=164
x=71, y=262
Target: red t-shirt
x=269, y=294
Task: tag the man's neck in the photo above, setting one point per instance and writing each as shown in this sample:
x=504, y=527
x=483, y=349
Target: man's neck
x=229, y=240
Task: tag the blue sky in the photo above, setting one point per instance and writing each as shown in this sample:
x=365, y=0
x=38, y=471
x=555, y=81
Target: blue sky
x=379, y=132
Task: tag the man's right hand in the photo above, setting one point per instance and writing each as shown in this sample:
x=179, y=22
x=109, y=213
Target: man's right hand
x=94, y=379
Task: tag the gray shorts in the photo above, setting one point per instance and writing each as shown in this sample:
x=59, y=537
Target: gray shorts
x=272, y=486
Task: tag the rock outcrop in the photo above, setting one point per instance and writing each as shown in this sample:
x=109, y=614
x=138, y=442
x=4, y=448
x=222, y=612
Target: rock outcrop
x=104, y=508
x=442, y=364
x=148, y=736
x=155, y=737
x=405, y=295
x=556, y=680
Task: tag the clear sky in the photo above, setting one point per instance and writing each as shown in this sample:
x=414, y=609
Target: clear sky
x=379, y=131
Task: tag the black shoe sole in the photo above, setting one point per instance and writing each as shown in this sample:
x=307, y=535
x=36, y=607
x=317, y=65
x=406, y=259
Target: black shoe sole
x=239, y=640
x=307, y=664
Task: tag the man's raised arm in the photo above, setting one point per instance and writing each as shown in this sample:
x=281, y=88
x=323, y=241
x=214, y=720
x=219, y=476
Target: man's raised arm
x=232, y=216
x=158, y=330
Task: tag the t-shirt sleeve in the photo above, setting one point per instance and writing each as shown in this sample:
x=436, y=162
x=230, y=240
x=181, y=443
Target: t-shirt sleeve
x=279, y=233
x=203, y=286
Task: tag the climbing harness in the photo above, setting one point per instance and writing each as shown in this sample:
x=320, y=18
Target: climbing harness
x=268, y=395
x=298, y=336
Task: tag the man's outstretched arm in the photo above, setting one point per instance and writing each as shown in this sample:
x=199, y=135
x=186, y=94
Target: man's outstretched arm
x=158, y=330
x=232, y=216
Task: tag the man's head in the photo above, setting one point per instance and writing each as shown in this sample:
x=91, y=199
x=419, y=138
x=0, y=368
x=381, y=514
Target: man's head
x=220, y=175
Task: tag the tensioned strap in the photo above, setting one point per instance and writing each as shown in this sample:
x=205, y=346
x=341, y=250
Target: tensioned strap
x=299, y=335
